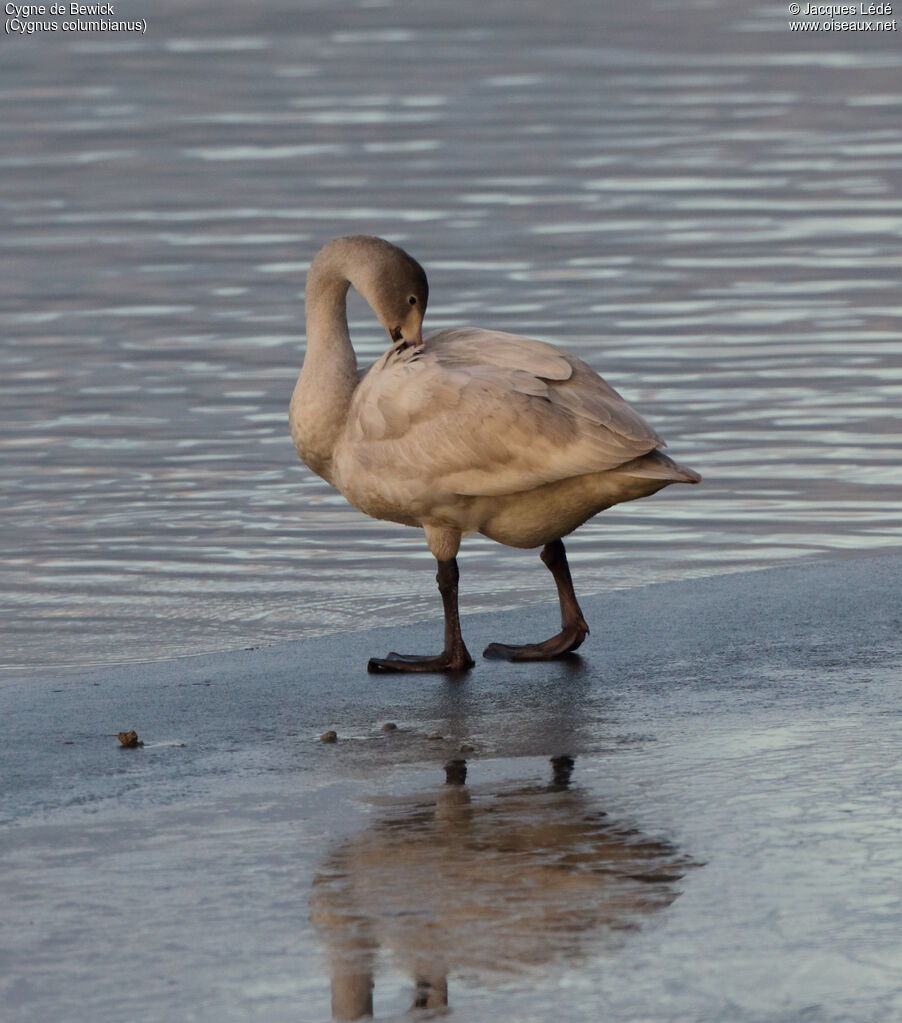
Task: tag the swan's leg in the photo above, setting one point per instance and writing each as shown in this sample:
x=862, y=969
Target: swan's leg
x=573, y=626
x=431, y=988
x=455, y=656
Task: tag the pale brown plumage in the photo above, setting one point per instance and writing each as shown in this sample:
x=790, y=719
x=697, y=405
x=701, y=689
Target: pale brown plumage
x=467, y=430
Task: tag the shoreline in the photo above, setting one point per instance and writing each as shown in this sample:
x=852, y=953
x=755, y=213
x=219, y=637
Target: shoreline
x=684, y=636
x=54, y=672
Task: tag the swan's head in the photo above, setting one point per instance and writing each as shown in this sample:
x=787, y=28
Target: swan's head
x=389, y=279
x=397, y=289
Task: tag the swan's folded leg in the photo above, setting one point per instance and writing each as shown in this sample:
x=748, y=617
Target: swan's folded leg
x=573, y=626
x=455, y=656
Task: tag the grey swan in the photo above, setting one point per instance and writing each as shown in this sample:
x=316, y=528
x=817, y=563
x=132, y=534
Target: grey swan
x=462, y=431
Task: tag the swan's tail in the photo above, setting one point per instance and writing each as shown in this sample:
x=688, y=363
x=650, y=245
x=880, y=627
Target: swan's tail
x=658, y=466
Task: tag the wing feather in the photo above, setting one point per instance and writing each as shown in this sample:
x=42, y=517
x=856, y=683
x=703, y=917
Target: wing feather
x=479, y=412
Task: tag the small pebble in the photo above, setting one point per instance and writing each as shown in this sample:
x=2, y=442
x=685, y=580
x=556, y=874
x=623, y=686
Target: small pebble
x=130, y=739
x=467, y=748
x=329, y=736
x=435, y=735
x=389, y=726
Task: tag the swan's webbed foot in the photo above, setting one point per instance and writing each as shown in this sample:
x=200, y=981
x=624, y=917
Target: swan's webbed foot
x=446, y=661
x=455, y=656
x=573, y=626
x=567, y=640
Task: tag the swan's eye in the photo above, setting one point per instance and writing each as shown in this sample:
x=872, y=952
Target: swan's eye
x=412, y=300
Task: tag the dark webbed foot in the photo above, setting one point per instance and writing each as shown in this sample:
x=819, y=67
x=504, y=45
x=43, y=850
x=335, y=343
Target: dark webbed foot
x=455, y=656
x=563, y=643
x=573, y=626
x=443, y=662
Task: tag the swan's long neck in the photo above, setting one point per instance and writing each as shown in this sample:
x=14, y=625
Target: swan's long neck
x=322, y=396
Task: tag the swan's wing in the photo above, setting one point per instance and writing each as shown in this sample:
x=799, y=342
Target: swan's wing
x=579, y=388
x=479, y=412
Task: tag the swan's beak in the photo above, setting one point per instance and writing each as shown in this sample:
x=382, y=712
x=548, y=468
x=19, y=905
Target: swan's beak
x=406, y=342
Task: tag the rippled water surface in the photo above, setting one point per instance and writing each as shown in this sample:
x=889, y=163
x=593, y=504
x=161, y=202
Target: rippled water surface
x=703, y=205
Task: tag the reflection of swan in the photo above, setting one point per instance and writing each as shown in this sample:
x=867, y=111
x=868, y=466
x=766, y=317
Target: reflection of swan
x=484, y=884
x=466, y=431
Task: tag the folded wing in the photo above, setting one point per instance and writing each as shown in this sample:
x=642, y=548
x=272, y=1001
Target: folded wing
x=479, y=412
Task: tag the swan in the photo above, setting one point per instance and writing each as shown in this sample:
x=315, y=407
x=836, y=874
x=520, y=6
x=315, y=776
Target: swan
x=462, y=431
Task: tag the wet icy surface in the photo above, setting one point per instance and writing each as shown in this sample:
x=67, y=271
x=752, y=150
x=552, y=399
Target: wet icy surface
x=700, y=203
x=727, y=849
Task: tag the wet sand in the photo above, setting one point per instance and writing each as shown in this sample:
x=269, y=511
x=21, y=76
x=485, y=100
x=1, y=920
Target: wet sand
x=727, y=847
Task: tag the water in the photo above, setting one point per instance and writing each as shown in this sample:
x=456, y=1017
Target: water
x=703, y=205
